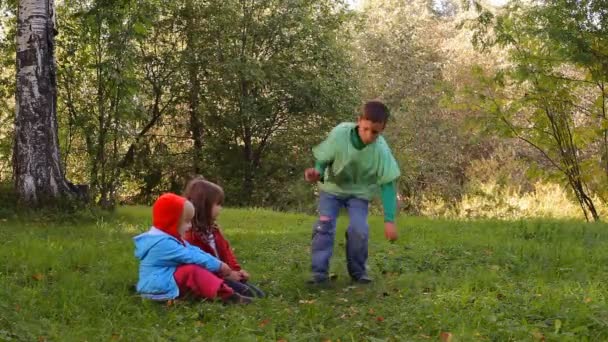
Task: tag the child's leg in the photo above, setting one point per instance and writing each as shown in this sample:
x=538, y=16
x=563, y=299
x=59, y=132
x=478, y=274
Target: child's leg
x=357, y=238
x=200, y=282
x=323, y=235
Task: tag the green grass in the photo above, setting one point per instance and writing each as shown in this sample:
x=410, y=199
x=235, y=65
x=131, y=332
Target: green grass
x=484, y=280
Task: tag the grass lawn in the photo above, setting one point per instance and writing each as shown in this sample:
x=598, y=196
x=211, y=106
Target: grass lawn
x=458, y=281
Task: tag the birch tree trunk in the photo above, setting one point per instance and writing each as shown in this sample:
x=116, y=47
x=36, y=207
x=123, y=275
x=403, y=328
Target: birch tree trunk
x=38, y=173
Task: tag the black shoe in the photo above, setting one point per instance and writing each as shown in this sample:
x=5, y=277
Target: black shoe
x=362, y=280
x=255, y=291
x=238, y=299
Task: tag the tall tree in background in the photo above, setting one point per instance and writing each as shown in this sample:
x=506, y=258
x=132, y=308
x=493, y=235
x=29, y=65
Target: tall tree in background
x=281, y=76
x=7, y=88
x=38, y=173
x=402, y=58
x=553, y=93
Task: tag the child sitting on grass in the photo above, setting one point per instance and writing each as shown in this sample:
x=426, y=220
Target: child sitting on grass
x=170, y=267
x=208, y=198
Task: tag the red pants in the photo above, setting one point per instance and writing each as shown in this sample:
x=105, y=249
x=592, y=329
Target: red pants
x=198, y=281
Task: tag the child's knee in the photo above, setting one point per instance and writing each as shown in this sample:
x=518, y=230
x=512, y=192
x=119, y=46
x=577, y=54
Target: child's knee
x=359, y=230
x=187, y=269
x=324, y=225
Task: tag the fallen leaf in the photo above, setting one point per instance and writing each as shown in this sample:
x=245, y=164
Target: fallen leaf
x=587, y=300
x=199, y=324
x=264, y=323
x=115, y=337
x=38, y=276
x=41, y=339
x=445, y=336
x=281, y=340
x=538, y=336
x=17, y=307
x=371, y=311
x=380, y=319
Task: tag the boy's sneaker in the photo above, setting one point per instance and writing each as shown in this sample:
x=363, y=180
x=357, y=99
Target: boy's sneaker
x=365, y=279
x=321, y=280
x=238, y=299
x=318, y=281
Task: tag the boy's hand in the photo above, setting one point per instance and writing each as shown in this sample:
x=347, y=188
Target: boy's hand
x=390, y=231
x=244, y=275
x=312, y=175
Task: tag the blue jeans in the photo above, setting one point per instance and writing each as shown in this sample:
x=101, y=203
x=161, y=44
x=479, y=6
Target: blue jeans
x=324, y=232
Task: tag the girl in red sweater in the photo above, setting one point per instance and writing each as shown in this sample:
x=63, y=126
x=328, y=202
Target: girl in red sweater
x=208, y=198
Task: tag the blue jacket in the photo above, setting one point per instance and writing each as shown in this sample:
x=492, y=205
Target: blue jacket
x=160, y=254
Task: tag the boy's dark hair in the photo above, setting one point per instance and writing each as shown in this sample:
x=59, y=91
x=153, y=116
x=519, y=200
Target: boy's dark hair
x=375, y=111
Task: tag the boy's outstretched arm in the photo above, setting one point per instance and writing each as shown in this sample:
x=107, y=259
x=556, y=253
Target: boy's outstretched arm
x=389, y=202
x=324, y=154
x=313, y=175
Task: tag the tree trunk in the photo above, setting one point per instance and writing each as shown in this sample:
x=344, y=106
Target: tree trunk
x=196, y=126
x=562, y=133
x=38, y=173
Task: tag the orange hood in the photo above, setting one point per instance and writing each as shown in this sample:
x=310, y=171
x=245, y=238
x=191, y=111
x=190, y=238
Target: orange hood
x=166, y=213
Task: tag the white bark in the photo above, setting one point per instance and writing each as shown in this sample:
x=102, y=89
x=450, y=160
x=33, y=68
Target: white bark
x=38, y=173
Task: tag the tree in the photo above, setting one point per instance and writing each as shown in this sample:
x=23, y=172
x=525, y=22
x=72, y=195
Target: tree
x=403, y=60
x=553, y=93
x=7, y=88
x=37, y=169
x=281, y=69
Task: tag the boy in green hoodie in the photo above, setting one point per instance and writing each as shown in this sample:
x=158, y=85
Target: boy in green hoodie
x=353, y=165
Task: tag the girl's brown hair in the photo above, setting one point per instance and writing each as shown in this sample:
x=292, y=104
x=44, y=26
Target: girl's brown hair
x=204, y=195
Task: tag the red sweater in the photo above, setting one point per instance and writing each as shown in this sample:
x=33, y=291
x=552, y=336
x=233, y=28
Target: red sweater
x=224, y=252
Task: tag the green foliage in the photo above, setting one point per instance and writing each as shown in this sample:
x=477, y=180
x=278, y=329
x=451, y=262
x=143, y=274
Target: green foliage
x=552, y=93
x=151, y=93
x=7, y=87
x=285, y=82
x=485, y=280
